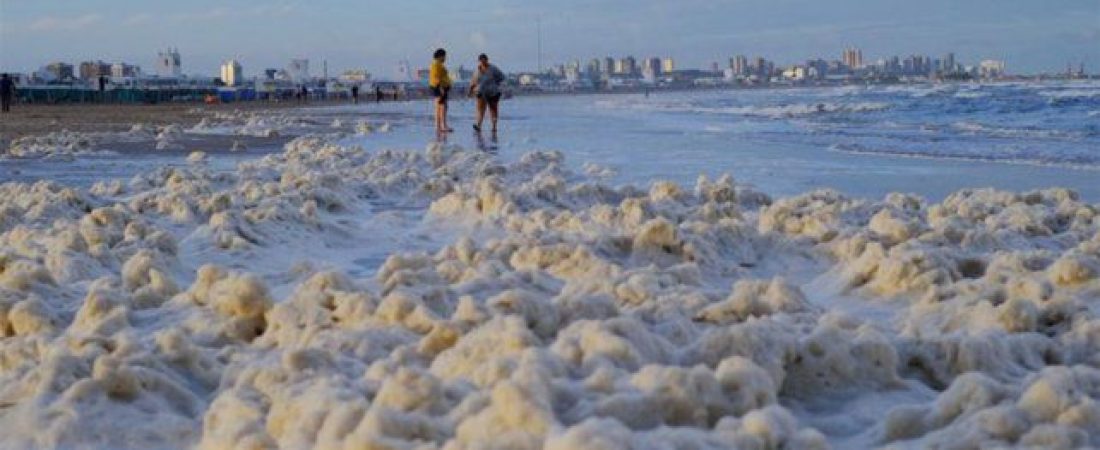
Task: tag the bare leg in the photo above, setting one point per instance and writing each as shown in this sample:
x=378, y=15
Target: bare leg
x=481, y=104
x=439, y=115
x=444, y=116
x=494, y=112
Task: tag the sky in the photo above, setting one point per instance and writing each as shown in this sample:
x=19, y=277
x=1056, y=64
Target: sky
x=1031, y=36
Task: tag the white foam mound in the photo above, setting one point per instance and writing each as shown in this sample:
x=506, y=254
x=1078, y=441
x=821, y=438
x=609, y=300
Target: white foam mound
x=192, y=308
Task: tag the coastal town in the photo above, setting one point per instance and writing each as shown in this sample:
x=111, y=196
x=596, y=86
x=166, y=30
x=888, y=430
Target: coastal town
x=123, y=82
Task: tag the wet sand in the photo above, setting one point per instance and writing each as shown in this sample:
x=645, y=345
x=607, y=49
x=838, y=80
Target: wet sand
x=26, y=120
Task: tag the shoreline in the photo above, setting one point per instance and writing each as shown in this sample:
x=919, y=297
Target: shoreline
x=41, y=118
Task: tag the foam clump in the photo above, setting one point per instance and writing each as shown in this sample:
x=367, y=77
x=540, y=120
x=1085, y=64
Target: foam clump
x=531, y=306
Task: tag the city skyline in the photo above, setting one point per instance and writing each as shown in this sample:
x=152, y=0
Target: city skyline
x=1030, y=37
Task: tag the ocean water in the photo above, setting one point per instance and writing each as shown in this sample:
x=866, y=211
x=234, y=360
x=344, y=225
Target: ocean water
x=865, y=141
x=1031, y=123
x=862, y=140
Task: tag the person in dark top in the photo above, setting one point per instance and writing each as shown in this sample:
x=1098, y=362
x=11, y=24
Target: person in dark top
x=355, y=94
x=486, y=86
x=102, y=87
x=7, y=91
x=377, y=94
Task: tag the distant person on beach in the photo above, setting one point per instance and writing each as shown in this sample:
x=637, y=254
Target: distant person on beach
x=7, y=91
x=486, y=86
x=440, y=83
x=355, y=94
x=377, y=94
x=102, y=88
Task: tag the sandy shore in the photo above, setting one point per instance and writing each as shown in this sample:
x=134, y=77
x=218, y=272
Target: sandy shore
x=26, y=120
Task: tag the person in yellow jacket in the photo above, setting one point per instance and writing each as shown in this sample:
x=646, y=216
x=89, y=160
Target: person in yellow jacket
x=440, y=83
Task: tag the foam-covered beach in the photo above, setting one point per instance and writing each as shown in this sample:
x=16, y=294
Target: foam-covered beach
x=356, y=288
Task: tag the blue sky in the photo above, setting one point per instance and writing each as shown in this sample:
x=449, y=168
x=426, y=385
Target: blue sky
x=1031, y=35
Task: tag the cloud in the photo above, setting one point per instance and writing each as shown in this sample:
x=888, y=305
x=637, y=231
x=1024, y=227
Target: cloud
x=56, y=23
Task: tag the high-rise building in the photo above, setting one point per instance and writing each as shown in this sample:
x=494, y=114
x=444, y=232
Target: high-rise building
x=652, y=65
x=668, y=65
x=593, y=67
x=572, y=72
x=626, y=66
x=991, y=68
x=761, y=67
x=949, y=63
x=817, y=68
x=231, y=73
x=92, y=70
x=59, y=71
x=853, y=58
x=123, y=70
x=740, y=65
x=298, y=70
x=608, y=66
x=168, y=63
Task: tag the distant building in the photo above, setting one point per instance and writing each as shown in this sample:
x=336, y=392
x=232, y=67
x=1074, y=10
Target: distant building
x=123, y=70
x=463, y=74
x=404, y=72
x=593, y=68
x=740, y=65
x=58, y=71
x=651, y=65
x=853, y=58
x=298, y=70
x=626, y=66
x=668, y=65
x=269, y=74
x=795, y=73
x=355, y=76
x=572, y=73
x=423, y=75
x=232, y=73
x=817, y=68
x=168, y=63
x=949, y=65
x=991, y=68
x=92, y=70
x=761, y=68
x=608, y=66
x=528, y=79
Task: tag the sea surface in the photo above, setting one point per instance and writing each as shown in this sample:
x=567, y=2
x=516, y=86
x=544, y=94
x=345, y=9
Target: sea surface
x=862, y=140
x=929, y=139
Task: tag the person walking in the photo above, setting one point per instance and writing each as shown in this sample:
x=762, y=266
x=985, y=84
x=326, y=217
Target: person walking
x=355, y=94
x=102, y=89
x=7, y=91
x=440, y=83
x=486, y=86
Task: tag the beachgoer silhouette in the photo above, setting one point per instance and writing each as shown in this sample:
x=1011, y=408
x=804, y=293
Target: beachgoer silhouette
x=486, y=86
x=355, y=94
x=440, y=83
x=7, y=91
